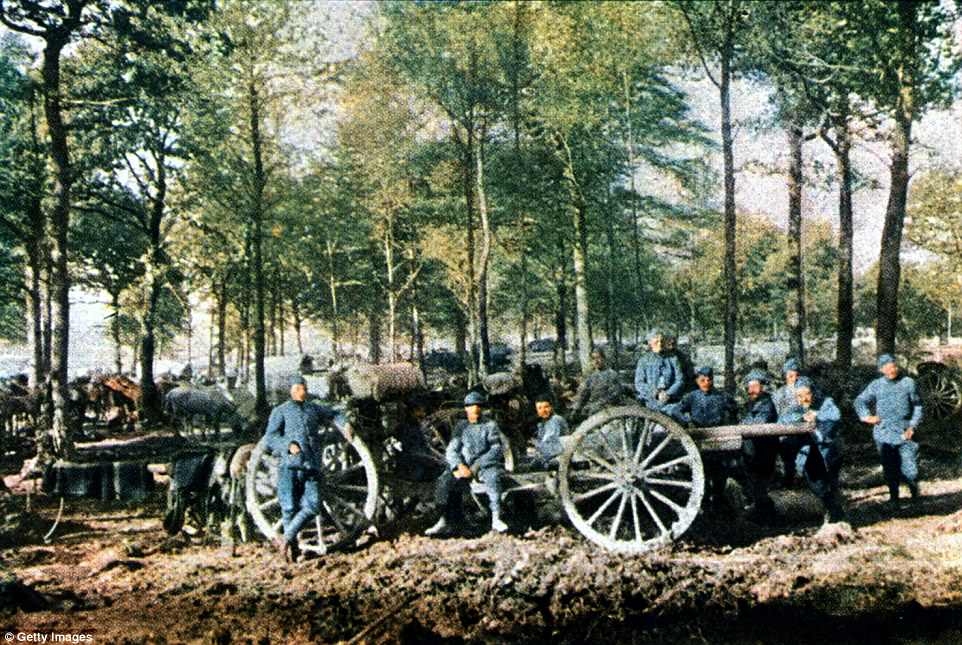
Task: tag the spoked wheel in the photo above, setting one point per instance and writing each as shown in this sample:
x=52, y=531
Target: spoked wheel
x=631, y=479
x=347, y=486
x=940, y=390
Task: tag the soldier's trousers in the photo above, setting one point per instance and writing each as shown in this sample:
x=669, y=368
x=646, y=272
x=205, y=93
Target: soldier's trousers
x=451, y=489
x=822, y=480
x=759, y=455
x=299, y=499
x=899, y=461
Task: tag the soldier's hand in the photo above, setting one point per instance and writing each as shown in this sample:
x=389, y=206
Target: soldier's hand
x=810, y=416
x=908, y=434
x=294, y=448
x=662, y=396
x=872, y=420
x=462, y=472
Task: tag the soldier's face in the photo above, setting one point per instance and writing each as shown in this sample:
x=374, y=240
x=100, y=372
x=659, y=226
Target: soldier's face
x=790, y=377
x=656, y=344
x=544, y=409
x=754, y=389
x=669, y=343
x=704, y=383
x=598, y=361
x=473, y=412
x=298, y=392
x=890, y=371
x=804, y=397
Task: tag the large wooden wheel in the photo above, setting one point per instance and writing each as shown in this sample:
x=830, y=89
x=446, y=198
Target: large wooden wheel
x=347, y=485
x=631, y=479
x=940, y=390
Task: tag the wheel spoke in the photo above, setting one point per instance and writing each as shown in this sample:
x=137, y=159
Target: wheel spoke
x=684, y=459
x=350, y=507
x=613, y=531
x=654, y=453
x=634, y=517
x=645, y=433
x=271, y=503
x=588, y=474
x=322, y=546
x=276, y=525
x=602, y=508
x=599, y=461
x=651, y=511
x=667, y=502
x=583, y=496
x=669, y=482
x=626, y=454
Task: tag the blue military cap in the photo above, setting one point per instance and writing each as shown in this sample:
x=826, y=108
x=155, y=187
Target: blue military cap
x=756, y=375
x=884, y=360
x=653, y=333
x=474, y=398
x=297, y=379
x=804, y=382
x=705, y=370
x=791, y=365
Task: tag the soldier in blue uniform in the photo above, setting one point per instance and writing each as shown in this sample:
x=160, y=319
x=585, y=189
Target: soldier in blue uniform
x=707, y=407
x=659, y=379
x=897, y=412
x=759, y=453
x=820, y=458
x=687, y=367
x=600, y=389
x=297, y=431
x=551, y=427
x=784, y=399
x=474, y=453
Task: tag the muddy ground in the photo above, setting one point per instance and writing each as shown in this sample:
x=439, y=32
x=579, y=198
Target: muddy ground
x=110, y=571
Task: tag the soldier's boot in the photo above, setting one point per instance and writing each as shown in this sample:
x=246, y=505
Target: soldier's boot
x=440, y=528
x=914, y=490
x=893, y=504
x=497, y=524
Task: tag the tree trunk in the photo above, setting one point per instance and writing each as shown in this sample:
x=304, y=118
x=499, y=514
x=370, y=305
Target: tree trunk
x=731, y=286
x=60, y=225
x=388, y=243
x=485, y=363
x=374, y=334
x=296, y=313
x=580, y=257
x=796, y=284
x=257, y=216
x=845, y=305
x=561, y=324
x=281, y=323
x=467, y=164
x=34, y=302
x=115, y=331
x=221, y=294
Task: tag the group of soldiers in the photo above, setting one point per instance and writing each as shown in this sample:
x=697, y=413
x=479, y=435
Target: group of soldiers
x=662, y=382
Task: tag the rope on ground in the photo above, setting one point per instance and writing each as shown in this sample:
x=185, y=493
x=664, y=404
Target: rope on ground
x=56, y=522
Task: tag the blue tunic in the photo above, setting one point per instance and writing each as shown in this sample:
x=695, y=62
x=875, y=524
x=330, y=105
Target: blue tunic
x=784, y=398
x=658, y=372
x=706, y=409
x=548, y=439
x=477, y=445
x=599, y=390
x=897, y=404
x=760, y=410
x=301, y=423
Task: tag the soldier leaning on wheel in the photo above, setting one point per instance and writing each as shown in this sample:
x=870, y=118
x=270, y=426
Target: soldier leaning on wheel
x=547, y=440
x=707, y=407
x=297, y=430
x=600, y=389
x=820, y=457
x=759, y=453
x=897, y=412
x=474, y=453
x=659, y=378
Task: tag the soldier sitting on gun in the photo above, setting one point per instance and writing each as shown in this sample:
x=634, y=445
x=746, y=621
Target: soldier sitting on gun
x=659, y=380
x=551, y=427
x=600, y=389
x=820, y=458
x=474, y=453
x=707, y=407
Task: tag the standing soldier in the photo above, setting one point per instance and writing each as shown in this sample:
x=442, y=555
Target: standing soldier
x=897, y=412
x=707, y=407
x=760, y=452
x=473, y=453
x=784, y=399
x=820, y=459
x=296, y=434
x=600, y=389
x=659, y=380
x=687, y=367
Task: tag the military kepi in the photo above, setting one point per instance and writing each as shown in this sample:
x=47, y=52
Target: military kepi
x=884, y=360
x=474, y=398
